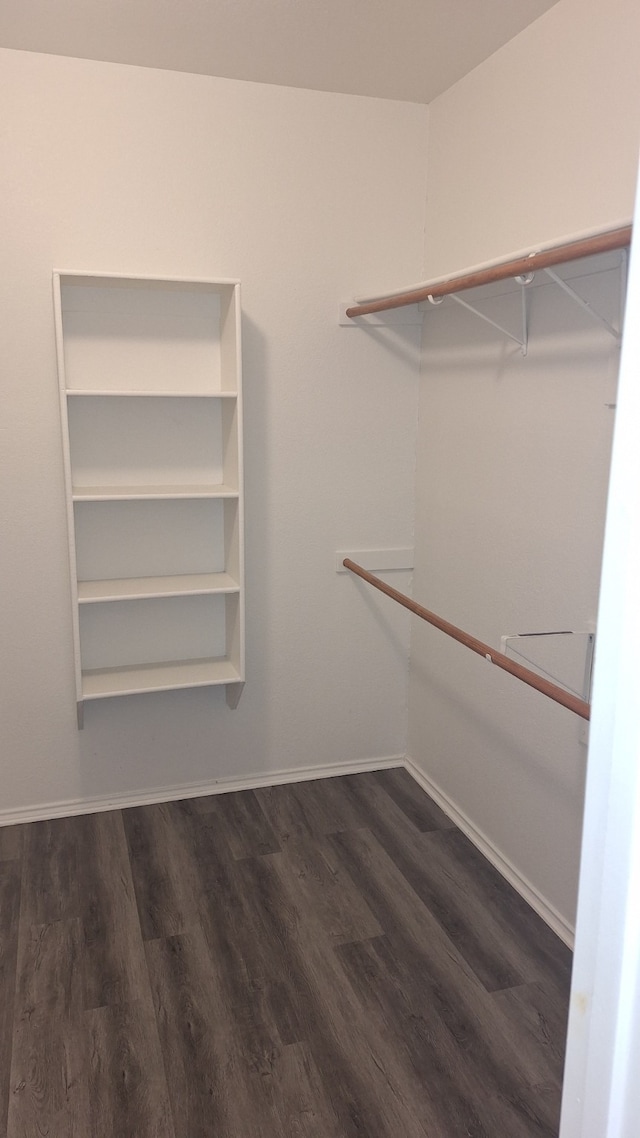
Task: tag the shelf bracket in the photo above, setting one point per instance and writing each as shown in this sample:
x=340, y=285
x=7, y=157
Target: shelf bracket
x=522, y=343
x=523, y=280
x=584, y=304
x=589, y=634
x=233, y=693
x=80, y=713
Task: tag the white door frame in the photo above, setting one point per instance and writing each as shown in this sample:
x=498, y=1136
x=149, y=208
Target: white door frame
x=601, y=1095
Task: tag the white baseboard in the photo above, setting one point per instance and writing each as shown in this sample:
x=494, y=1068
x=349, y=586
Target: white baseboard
x=99, y=803
x=531, y=895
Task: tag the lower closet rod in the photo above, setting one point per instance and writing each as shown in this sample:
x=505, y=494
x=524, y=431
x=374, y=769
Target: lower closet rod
x=553, y=691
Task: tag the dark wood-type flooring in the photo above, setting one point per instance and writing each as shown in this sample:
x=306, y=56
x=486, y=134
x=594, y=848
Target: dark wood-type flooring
x=330, y=959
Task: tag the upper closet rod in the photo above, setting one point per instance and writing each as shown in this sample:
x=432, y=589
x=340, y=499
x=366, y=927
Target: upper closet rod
x=553, y=691
x=557, y=255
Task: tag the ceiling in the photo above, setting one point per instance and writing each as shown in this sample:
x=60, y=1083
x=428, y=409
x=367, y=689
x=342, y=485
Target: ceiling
x=394, y=49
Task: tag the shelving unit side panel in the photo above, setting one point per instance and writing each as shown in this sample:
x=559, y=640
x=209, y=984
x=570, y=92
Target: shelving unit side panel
x=233, y=441
x=232, y=428
x=235, y=632
x=230, y=339
x=66, y=459
x=230, y=431
x=232, y=535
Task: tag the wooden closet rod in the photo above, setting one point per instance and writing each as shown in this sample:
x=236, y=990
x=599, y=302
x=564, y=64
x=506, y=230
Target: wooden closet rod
x=574, y=251
x=553, y=691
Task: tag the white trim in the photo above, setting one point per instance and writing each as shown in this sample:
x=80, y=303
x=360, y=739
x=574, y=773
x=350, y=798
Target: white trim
x=601, y=1087
x=531, y=895
x=132, y=278
x=94, y=805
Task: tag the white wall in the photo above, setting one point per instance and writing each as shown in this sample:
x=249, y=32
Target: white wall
x=512, y=476
x=302, y=196
x=539, y=142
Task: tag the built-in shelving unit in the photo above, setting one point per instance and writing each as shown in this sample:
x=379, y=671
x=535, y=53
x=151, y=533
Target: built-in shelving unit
x=151, y=405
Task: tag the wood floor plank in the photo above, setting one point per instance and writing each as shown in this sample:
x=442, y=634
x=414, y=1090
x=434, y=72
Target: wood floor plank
x=421, y=810
x=77, y=1073
x=242, y=822
x=475, y=1089
x=301, y=811
x=421, y=1036
x=277, y=982
x=250, y=948
x=247, y=959
x=456, y=1009
x=125, y=1078
x=50, y=872
x=227, y=1072
x=97, y=1072
x=48, y=1091
x=285, y=1013
x=114, y=966
x=50, y=975
x=11, y=842
x=366, y=801
x=535, y=1020
x=292, y=813
x=363, y=1085
x=469, y=898
x=299, y=1104
x=46, y=1094
x=323, y=886
x=195, y=1035
x=162, y=870
x=9, y=912
x=506, y=920
x=225, y=911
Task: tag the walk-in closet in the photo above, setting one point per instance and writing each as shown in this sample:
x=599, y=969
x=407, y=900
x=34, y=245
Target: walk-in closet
x=318, y=750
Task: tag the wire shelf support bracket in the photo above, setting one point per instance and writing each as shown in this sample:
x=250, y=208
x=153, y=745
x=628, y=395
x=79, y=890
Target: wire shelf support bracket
x=523, y=340
x=584, y=304
x=517, y=644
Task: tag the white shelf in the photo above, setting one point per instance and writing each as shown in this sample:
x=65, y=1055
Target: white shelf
x=151, y=411
x=135, y=680
x=151, y=394
x=135, y=493
x=140, y=588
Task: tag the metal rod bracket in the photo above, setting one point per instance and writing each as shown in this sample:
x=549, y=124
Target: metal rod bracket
x=583, y=304
x=522, y=343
